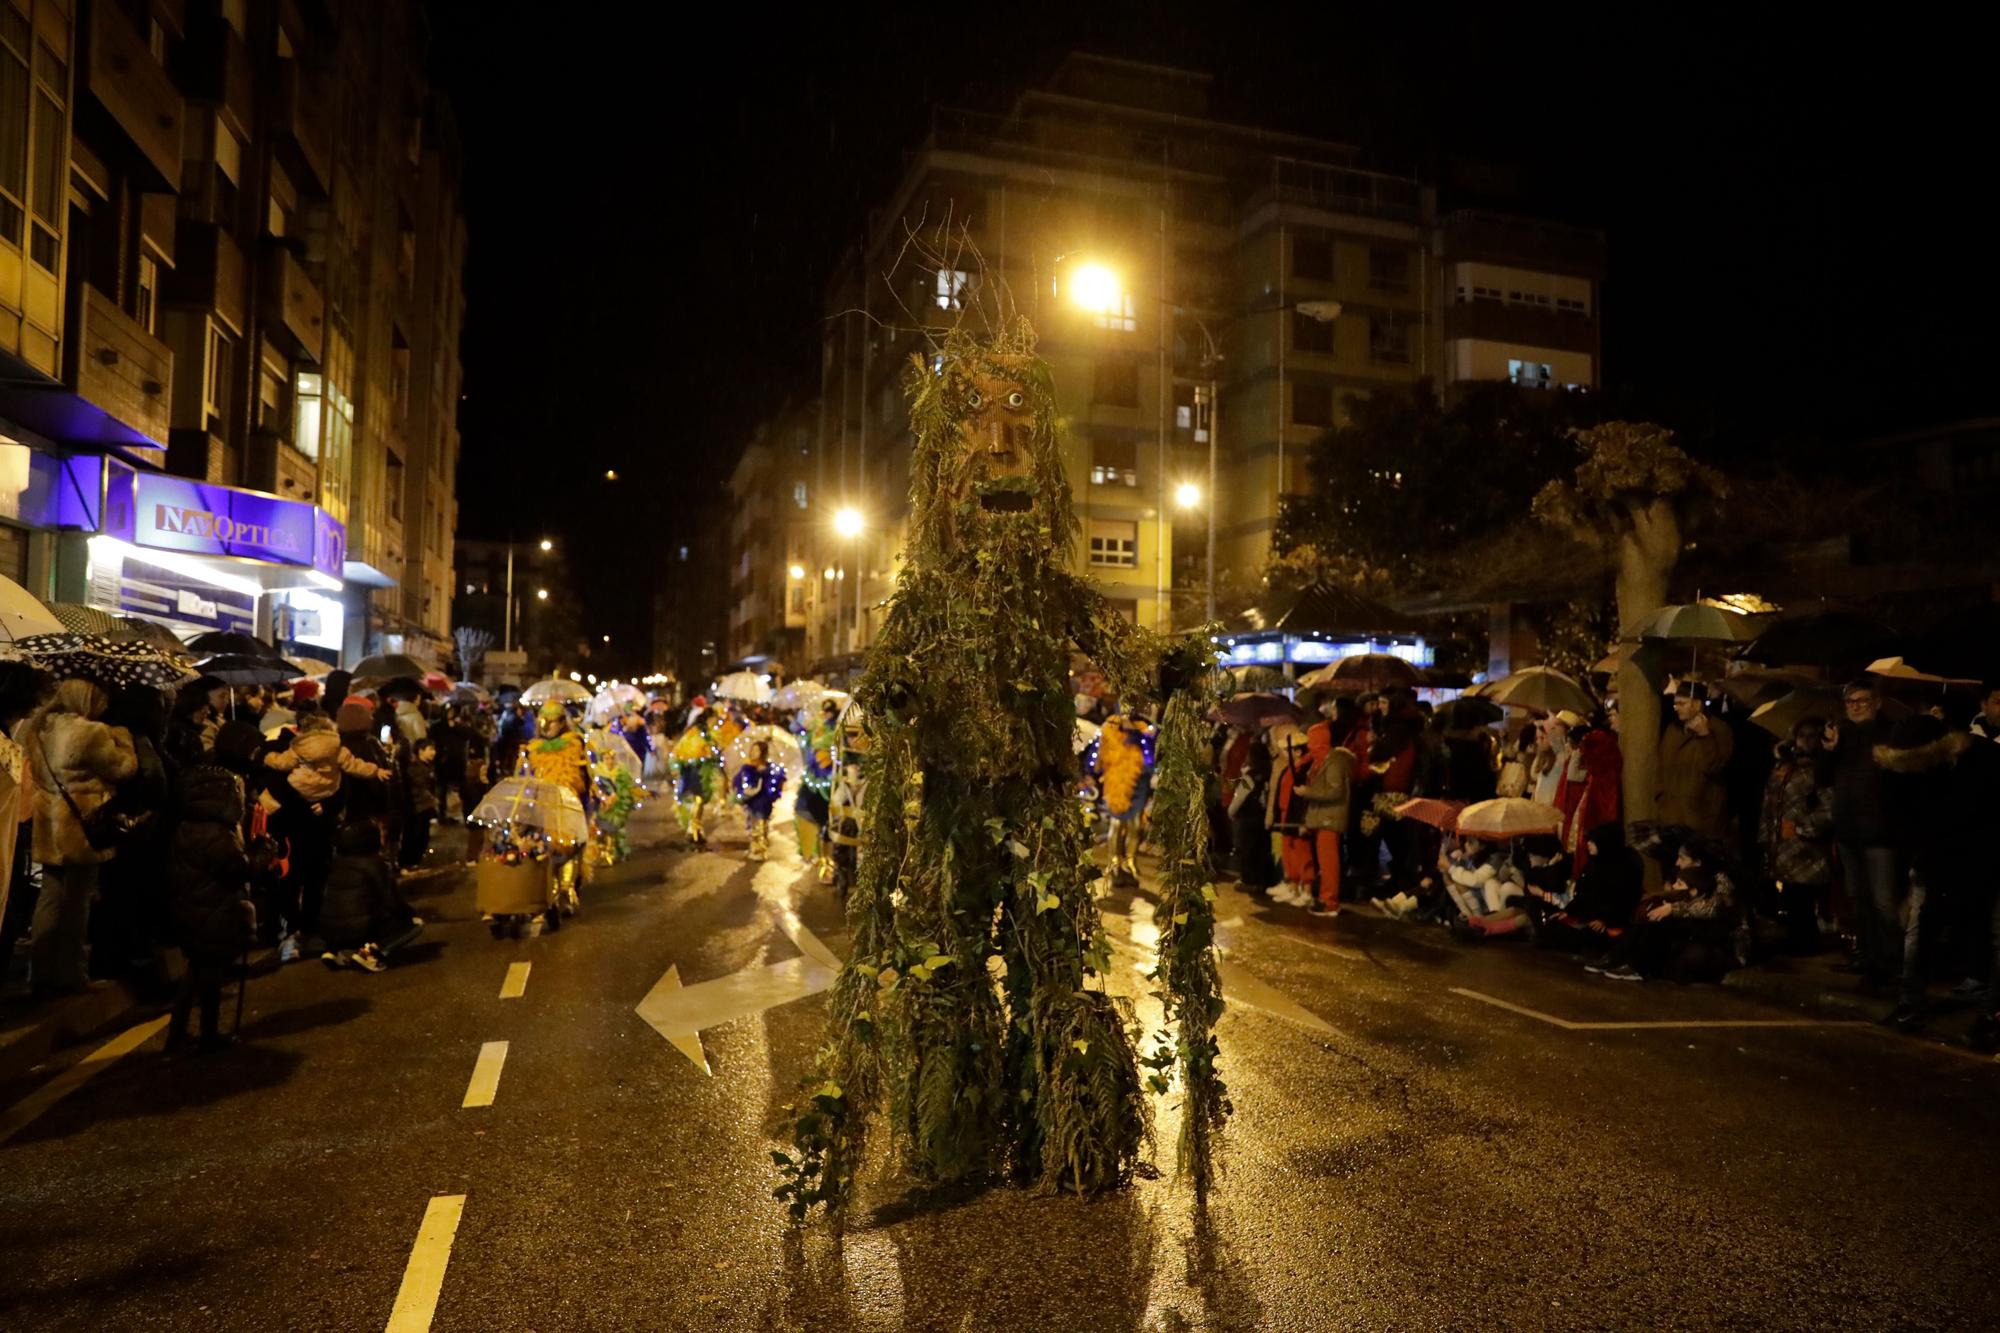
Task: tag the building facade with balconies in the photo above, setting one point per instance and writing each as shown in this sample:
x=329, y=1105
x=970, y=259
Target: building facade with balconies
x=210, y=246
x=774, y=584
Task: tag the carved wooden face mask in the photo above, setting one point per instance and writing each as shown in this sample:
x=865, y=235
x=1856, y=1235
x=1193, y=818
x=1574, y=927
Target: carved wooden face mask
x=998, y=430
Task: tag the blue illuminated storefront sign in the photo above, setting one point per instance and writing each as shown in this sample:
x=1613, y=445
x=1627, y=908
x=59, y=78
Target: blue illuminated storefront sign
x=165, y=513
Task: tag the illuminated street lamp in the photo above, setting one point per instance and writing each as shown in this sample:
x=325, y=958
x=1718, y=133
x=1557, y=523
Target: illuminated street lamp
x=1095, y=288
x=796, y=572
x=1187, y=495
x=548, y=545
x=848, y=525
x=847, y=522
x=541, y=594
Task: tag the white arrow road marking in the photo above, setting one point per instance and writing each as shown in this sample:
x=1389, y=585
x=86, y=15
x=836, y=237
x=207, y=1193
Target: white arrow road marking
x=516, y=984
x=485, y=1083
x=1240, y=989
x=423, y=1277
x=679, y=1013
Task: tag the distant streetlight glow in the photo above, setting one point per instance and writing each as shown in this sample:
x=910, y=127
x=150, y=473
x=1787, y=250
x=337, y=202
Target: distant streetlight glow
x=548, y=545
x=607, y=638
x=827, y=572
x=541, y=594
x=847, y=522
x=1187, y=495
x=1095, y=288
x=797, y=571
x=610, y=474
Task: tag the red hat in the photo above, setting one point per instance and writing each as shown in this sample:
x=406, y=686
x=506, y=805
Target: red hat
x=303, y=690
x=699, y=701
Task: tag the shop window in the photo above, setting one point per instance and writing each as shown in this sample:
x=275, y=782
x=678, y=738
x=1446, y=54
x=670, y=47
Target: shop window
x=1312, y=405
x=1114, y=545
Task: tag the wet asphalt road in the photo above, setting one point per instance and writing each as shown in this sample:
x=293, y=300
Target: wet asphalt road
x=1404, y=1155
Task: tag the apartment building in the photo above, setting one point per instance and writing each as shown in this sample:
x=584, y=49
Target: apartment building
x=773, y=582
x=1194, y=284
x=226, y=229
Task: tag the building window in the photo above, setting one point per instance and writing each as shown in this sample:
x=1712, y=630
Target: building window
x=14, y=92
x=799, y=494
x=1312, y=405
x=1114, y=463
x=1531, y=374
x=145, y=292
x=306, y=414
x=1311, y=335
x=394, y=487
x=1188, y=414
x=1116, y=384
x=270, y=400
x=1389, y=338
x=215, y=382
x=1312, y=259
x=1114, y=545
x=1570, y=305
x=1119, y=314
x=1389, y=270
x=46, y=148
x=952, y=286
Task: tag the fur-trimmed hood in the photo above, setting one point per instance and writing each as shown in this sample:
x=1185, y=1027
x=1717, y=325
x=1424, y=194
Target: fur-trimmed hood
x=1926, y=757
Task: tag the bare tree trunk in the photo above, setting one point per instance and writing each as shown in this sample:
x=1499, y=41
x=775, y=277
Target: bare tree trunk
x=1648, y=549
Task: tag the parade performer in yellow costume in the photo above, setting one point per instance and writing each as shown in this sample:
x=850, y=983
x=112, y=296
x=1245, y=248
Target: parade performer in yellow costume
x=558, y=755
x=1122, y=759
x=697, y=763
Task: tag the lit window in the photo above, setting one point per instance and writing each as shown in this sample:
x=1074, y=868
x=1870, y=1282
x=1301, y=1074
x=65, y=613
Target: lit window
x=799, y=494
x=952, y=285
x=1118, y=313
x=1530, y=374
x=146, y=293
x=215, y=382
x=306, y=399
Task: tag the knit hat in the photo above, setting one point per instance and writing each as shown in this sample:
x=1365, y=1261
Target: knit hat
x=305, y=689
x=356, y=714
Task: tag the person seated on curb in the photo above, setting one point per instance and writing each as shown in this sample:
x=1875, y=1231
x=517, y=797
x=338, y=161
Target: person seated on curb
x=1480, y=880
x=1593, y=913
x=363, y=919
x=1544, y=872
x=1687, y=932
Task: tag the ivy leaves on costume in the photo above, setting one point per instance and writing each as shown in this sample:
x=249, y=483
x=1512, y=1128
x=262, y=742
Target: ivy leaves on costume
x=975, y=848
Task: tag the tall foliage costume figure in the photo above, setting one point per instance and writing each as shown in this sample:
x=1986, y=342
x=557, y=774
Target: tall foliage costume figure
x=974, y=846
x=1121, y=758
x=558, y=754
x=697, y=766
x=819, y=742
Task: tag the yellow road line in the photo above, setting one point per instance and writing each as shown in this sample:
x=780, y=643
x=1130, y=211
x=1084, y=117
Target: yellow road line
x=423, y=1276
x=1572, y=1025
x=23, y=1113
x=516, y=984
x=486, y=1075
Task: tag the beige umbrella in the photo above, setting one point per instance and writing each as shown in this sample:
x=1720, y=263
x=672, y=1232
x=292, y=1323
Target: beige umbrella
x=1543, y=689
x=1895, y=668
x=1509, y=817
x=21, y=616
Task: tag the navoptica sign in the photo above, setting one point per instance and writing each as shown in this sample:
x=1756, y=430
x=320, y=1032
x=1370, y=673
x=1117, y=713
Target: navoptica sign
x=175, y=514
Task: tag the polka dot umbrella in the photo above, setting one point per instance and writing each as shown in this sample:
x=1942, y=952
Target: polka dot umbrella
x=101, y=661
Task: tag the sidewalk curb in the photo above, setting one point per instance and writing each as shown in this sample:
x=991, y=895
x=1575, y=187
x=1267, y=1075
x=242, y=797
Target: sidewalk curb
x=1797, y=990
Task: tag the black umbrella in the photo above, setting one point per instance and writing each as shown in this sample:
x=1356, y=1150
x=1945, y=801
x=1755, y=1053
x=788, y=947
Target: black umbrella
x=385, y=666
x=247, y=669
x=1467, y=714
x=217, y=642
x=1825, y=639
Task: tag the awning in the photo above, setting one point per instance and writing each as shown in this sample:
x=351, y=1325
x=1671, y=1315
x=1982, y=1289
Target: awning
x=362, y=574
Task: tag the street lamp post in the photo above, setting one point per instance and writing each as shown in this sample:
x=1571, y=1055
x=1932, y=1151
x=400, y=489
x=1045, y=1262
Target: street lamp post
x=847, y=525
x=507, y=612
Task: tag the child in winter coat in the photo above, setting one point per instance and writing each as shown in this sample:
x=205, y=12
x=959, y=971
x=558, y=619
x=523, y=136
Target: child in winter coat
x=363, y=919
x=420, y=782
x=208, y=888
x=317, y=759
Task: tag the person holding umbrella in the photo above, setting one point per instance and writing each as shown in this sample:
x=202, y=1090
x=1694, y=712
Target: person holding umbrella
x=1694, y=757
x=76, y=763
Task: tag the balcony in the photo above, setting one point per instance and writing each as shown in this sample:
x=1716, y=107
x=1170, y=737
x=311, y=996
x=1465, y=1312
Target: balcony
x=209, y=274
x=135, y=93
x=1532, y=326
x=219, y=73
x=298, y=131
x=293, y=305
x=121, y=369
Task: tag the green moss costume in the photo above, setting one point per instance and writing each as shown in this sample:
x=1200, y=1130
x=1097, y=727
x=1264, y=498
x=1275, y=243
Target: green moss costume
x=976, y=849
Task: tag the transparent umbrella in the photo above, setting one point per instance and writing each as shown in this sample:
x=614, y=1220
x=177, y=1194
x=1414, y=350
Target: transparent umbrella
x=535, y=805
x=612, y=700
x=744, y=685
x=615, y=749
x=781, y=746
x=562, y=691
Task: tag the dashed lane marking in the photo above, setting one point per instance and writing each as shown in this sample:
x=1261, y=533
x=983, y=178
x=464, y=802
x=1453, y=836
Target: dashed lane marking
x=516, y=984
x=1628, y=1025
x=486, y=1075
x=423, y=1276
x=24, y=1112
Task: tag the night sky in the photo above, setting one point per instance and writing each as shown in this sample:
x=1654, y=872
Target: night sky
x=1795, y=217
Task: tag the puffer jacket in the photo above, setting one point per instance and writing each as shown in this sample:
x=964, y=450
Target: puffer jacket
x=90, y=759
x=208, y=874
x=316, y=760
x=1796, y=824
x=1329, y=789
x=361, y=903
